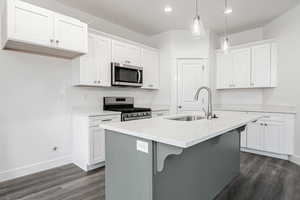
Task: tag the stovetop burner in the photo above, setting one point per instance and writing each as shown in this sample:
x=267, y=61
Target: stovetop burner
x=125, y=105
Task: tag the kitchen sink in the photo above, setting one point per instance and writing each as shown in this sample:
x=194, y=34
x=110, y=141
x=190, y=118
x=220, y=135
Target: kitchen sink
x=187, y=118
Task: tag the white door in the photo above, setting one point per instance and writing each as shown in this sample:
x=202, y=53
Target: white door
x=88, y=73
x=241, y=68
x=150, y=64
x=30, y=23
x=255, y=133
x=261, y=66
x=224, y=71
x=192, y=74
x=272, y=137
x=70, y=34
x=103, y=60
x=119, y=51
x=133, y=55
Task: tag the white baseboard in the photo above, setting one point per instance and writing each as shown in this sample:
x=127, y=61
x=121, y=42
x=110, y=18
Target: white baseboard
x=263, y=153
x=31, y=169
x=295, y=159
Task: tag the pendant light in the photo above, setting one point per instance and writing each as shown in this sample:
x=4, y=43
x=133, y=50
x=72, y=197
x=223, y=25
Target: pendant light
x=198, y=27
x=226, y=42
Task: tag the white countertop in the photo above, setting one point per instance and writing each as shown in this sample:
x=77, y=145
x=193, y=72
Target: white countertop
x=257, y=108
x=180, y=133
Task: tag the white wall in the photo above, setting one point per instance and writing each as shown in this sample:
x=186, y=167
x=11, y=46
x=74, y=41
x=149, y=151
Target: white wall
x=37, y=98
x=174, y=45
x=286, y=30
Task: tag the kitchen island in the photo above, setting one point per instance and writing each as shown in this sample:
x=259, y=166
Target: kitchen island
x=182, y=157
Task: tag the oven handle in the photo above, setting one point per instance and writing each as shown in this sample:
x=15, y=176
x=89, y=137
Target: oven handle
x=139, y=76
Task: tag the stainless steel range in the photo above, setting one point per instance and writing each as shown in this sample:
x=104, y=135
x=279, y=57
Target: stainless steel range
x=125, y=105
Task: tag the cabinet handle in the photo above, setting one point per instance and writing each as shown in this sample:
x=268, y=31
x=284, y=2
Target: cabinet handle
x=266, y=124
x=57, y=41
x=106, y=120
x=99, y=82
x=95, y=82
x=179, y=107
x=150, y=85
x=51, y=40
x=127, y=61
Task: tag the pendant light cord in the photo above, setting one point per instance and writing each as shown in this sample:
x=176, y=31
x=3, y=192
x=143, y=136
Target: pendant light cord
x=196, y=7
x=226, y=22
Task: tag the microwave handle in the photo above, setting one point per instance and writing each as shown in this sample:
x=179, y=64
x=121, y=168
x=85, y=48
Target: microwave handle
x=139, y=76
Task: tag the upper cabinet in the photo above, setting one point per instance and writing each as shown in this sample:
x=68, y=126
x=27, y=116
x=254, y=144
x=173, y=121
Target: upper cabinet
x=150, y=64
x=30, y=28
x=126, y=54
x=93, y=69
x=253, y=66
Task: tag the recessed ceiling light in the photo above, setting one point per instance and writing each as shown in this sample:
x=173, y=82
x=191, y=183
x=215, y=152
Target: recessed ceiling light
x=168, y=9
x=228, y=11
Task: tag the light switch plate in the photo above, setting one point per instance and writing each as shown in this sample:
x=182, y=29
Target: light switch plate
x=142, y=146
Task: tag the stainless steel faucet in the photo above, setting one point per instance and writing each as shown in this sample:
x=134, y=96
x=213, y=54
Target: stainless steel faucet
x=208, y=113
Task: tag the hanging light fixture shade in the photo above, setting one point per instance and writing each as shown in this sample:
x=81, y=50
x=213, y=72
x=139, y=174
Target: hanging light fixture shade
x=198, y=28
x=226, y=45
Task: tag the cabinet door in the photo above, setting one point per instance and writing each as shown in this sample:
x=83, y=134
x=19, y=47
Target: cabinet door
x=150, y=64
x=103, y=60
x=255, y=133
x=133, y=55
x=88, y=67
x=272, y=137
x=244, y=138
x=97, y=139
x=70, y=34
x=97, y=145
x=30, y=23
x=119, y=51
x=241, y=68
x=261, y=66
x=224, y=71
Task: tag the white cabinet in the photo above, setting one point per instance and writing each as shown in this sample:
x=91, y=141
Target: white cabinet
x=254, y=136
x=244, y=138
x=126, y=54
x=224, y=71
x=241, y=68
x=89, y=140
x=252, y=66
x=274, y=134
x=70, y=34
x=30, y=28
x=93, y=69
x=233, y=69
x=261, y=65
x=150, y=64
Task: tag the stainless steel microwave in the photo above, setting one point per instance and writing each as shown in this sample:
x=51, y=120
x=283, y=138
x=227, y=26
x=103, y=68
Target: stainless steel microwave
x=126, y=75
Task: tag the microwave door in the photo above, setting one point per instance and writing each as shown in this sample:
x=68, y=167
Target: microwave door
x=127, y=76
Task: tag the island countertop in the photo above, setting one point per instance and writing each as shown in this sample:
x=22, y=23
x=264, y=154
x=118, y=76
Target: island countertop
x=183, y=134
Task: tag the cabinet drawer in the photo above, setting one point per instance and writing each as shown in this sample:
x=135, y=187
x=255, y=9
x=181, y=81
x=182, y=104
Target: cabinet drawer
x=96, y=121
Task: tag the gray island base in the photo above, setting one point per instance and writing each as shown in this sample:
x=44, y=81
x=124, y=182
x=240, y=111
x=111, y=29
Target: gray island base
x=164, y=172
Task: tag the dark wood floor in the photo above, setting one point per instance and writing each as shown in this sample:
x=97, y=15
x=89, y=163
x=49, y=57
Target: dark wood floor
x=261, y=178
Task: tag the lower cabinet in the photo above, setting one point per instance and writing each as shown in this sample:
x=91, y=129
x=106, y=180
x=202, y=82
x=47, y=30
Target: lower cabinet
x=89, y=140
x=273, y=135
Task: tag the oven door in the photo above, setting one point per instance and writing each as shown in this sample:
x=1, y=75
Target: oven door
x=127, y=75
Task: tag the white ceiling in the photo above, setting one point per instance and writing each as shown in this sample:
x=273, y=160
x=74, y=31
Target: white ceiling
x=148, y=17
